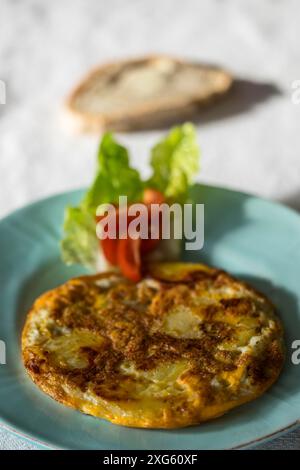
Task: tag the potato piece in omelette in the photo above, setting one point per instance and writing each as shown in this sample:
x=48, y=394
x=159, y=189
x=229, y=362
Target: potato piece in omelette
x=184, y=345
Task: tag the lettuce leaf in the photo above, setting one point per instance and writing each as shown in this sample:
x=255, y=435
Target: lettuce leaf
x=175, y=162
x=80, y=243
x=114, y=176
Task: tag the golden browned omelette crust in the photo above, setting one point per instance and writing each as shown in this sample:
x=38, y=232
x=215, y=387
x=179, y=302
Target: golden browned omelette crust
x=182, y=346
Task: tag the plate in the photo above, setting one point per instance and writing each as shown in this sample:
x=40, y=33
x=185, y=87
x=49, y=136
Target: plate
x=256, y=239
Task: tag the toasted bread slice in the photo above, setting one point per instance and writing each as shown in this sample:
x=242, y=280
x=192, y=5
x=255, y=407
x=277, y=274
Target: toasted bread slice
x=143, y=93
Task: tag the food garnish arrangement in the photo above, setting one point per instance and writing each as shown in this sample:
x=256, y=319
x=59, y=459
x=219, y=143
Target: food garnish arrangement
x=148, y=340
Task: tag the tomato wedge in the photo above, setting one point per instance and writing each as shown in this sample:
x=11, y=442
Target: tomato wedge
x=129, y=258
x=152, y=196
x=110, y=250
x=126, y=253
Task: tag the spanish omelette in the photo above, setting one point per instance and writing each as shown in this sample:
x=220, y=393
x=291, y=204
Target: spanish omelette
x=182, y=346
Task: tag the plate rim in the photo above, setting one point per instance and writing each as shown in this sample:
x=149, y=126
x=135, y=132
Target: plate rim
x=49, y=445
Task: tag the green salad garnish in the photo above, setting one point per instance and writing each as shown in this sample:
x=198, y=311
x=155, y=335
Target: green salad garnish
x=174, y=161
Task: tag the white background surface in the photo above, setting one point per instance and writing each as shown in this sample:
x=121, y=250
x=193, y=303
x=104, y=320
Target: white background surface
x=251, y=142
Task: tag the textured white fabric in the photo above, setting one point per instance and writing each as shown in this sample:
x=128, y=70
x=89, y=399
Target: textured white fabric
x=250, y=142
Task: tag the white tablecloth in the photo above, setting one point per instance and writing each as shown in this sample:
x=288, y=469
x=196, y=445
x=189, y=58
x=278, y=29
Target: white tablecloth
x=250, y=142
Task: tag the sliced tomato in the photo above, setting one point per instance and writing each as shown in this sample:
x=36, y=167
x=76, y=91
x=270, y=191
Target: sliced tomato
x=129, y=258
x=110, y=250
x=109, y=245
x=152, y=196
x=126, y=253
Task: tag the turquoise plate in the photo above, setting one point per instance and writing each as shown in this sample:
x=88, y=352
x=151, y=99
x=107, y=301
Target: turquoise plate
x=255, y=239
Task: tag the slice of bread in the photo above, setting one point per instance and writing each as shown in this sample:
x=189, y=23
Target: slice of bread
x=143, y=93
